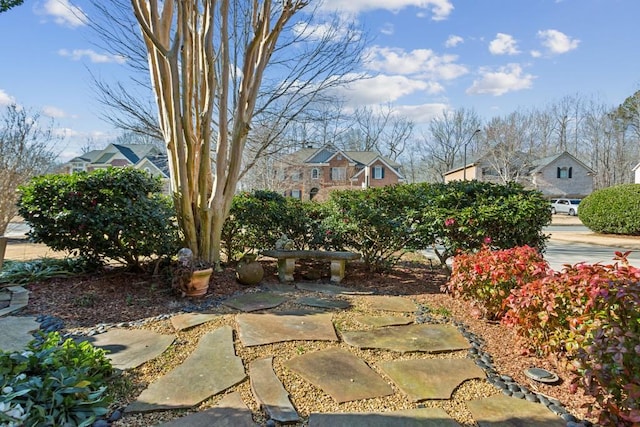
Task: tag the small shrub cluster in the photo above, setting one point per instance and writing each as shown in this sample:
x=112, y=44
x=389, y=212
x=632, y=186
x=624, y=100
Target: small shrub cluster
x=612, y=210
x=115, y=213
x=382, y=223
x=53, y=383
x=489, y=276
x=589, y=314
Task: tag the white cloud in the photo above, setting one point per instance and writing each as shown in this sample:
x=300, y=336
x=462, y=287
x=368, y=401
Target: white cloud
x=440, y=9
x=381, y=89
x=557, y=42
x=62, y=12
x=509, y=78
x=504, y=44
x=53, y=112
x=536, y=53
x=65, y=132
x=421, y=114
x=419, y=62
x=5, y=98
x=453, y=41
x=78, y=54
x=387, y=29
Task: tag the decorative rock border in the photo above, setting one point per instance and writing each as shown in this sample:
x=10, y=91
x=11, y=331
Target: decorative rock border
x=505, y=383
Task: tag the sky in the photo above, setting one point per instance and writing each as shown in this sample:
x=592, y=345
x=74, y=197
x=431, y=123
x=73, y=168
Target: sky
x=424, y=57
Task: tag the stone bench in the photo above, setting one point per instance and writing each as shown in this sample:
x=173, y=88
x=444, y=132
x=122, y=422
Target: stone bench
x=287, y=262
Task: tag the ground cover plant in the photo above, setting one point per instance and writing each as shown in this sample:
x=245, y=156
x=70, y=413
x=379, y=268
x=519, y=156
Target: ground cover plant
x=54, y=382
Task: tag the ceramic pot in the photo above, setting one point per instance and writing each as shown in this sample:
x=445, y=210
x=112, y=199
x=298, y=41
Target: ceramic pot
x=199, y=283
x=249, y=271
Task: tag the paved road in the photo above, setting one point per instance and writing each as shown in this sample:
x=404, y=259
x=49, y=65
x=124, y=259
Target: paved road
x=559, y=253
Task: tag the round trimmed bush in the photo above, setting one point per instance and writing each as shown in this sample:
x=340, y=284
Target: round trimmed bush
x=613, y=210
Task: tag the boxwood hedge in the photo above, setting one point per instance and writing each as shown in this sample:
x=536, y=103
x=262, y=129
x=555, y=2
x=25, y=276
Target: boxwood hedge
x=613, y=210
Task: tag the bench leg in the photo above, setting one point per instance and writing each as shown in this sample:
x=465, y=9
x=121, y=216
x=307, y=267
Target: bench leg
x=285, y=269
x=337, y=270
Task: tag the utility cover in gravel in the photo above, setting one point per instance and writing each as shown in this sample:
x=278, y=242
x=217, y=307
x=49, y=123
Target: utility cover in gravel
x=340, y=374
x=130, y=348
x=507, y=411
x=188, y=320
x=255, y=301
x=389, y=303
x=422, y=379
x=382, y=321
x=268, y=328
x=229, y=412
x=424, y=417
x=211, y=368
x=326, y=288
x=427, y=338
x=269, y=391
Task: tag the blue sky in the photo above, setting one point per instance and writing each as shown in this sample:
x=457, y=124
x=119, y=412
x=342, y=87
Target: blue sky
x=494, y=56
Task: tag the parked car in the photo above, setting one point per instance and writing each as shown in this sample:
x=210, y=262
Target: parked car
x=567, y=206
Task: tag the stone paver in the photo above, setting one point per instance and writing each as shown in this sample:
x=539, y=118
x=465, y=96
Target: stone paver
x=326, y=288
x=229, y=412
x=188, y=320
x=211, y=368
x=324, y=302
x=504, y=411
x=16, y=332
x=424, y=417
x=382, y=321
x=340, y=374
x=259, y=329
x=422, y=337
x=423, y=379
x=269, y=391
x=255, y=301
x=130, y=348
x=391, y=303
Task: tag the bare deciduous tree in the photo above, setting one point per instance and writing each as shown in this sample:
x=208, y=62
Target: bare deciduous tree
x=25, y=151
x=208, y=61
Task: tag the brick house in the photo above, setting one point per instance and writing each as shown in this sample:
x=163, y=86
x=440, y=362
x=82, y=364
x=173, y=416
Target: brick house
x=307, y=172
x=559, y=175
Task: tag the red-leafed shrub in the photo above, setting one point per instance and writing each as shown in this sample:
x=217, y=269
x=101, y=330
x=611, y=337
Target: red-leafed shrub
x=488, y=276
x=609, y=366
x=555, y=313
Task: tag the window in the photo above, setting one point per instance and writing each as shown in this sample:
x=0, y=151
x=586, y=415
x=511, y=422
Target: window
x=564, y=172
x=378, y=172
x=338, y=174
x=315, y=173
x=295, y=194
x=296, y=176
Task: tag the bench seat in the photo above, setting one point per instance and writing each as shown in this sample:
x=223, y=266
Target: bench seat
x=287, y=261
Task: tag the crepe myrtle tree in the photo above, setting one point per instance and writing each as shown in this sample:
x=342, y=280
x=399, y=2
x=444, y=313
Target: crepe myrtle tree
x=207, y=62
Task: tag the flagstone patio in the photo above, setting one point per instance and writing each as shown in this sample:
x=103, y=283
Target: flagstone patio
x=339, y=371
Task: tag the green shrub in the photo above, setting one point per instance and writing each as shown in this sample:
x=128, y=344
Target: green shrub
x=257, y=220
x=54, y=383
x=377, y=223
x=488, y=276
x=465, y=215
x=114, y=213
x=612, y=210
x=609, y=365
